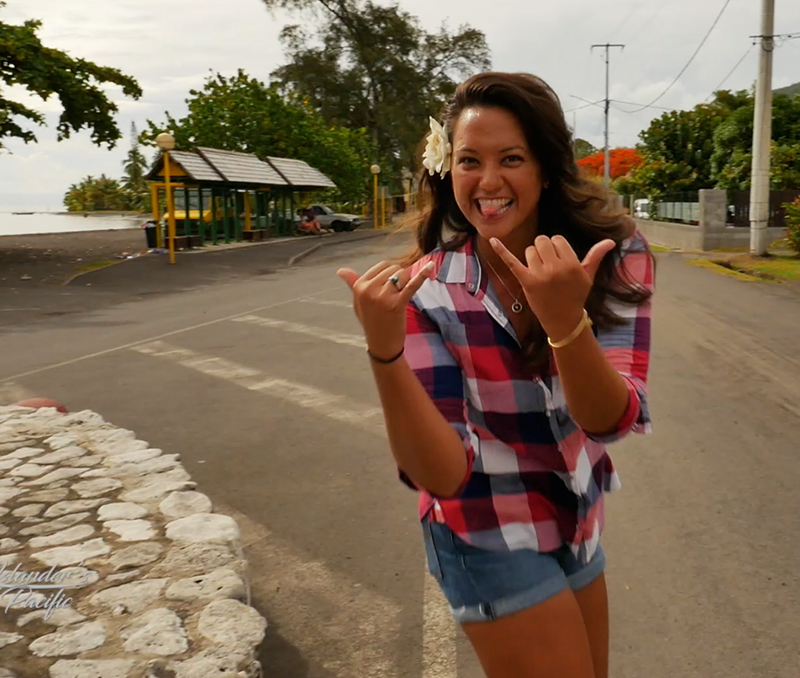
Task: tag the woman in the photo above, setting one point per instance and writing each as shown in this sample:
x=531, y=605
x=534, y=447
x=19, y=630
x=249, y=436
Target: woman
x=507, y=354
x=309, y=224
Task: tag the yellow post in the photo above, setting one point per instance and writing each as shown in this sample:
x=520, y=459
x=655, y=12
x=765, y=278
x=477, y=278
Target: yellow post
x=170, y=209
x=383, y=206
x=248, y=219
x=375, y=207
x=156, y=215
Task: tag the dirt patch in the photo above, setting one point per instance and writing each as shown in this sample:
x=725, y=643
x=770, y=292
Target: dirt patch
x=53, y=258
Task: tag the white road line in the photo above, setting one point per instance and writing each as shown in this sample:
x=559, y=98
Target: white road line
x=439, y=630
x=297, y=328
x=131, y=344
x=438, y=633
x=328, y=302
x=11, y=392
x=338, y=625
x=326, y=404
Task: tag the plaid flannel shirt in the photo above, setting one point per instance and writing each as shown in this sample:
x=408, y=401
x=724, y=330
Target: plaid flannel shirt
x=535, y=479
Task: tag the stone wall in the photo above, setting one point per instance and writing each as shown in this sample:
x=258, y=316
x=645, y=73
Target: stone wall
x=711, y=233
x=111, y=564
x=679, y=236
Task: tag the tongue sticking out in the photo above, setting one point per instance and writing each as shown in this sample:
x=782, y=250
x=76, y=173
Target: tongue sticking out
x=494, y=209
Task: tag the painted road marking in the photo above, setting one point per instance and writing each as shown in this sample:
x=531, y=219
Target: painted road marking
x=439, y=631
x=133, y=344
x=323, y=403
x=329, y=302
x=353, y=629
x=316, y=332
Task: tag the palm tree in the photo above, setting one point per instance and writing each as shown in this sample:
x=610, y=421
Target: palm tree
x=135, y=168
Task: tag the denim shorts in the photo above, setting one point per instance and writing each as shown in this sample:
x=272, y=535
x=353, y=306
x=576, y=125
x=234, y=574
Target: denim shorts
x=482, y=585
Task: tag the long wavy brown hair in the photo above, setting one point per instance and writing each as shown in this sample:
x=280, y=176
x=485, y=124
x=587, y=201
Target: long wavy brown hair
x=573, y=205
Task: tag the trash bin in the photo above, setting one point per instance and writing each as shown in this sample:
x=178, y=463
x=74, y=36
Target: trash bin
x=150, y=233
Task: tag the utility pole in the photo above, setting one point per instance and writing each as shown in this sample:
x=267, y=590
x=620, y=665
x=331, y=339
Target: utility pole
x=607, y=47
x=762, y=134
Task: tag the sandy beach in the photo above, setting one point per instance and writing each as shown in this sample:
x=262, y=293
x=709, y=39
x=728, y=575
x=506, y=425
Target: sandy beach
x=52, y=258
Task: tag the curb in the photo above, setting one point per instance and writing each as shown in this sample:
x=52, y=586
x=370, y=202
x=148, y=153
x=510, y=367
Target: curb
x=366, y=236
x=75, y=276
x=155, y=582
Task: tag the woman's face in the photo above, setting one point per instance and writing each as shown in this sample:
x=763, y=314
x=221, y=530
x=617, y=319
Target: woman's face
x=496, y=180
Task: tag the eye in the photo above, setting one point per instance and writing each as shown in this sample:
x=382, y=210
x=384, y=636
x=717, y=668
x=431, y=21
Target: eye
x=513, y=159
x=466, y=160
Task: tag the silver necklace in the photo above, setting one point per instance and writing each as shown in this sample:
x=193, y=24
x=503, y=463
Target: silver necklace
x=516, y=306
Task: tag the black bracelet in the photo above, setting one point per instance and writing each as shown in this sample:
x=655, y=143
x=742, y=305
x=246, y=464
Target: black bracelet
x=386, y=362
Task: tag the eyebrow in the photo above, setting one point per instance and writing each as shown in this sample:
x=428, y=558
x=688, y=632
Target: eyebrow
x=504, y=150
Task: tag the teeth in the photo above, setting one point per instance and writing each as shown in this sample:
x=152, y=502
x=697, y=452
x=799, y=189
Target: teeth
x=494, y=206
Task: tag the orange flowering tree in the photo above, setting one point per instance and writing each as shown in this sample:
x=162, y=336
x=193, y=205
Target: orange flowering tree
x=622, y=162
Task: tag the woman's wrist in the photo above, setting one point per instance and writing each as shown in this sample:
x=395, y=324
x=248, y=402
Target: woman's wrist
x=563, y=340
x=561, y=327
x=385, y=358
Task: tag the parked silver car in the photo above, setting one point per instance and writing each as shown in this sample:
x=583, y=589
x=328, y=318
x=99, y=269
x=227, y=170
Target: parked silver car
x=336, y=221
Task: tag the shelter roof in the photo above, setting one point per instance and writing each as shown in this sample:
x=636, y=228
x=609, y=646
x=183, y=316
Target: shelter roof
x=242, y=168
x=300, y=174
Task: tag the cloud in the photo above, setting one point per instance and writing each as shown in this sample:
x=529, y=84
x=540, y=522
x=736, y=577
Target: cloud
x=170, y=48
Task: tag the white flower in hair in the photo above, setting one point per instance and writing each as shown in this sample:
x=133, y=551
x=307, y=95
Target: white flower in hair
x=436, y=157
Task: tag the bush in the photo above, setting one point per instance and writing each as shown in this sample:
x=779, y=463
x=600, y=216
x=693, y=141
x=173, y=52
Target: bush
x=793, y=224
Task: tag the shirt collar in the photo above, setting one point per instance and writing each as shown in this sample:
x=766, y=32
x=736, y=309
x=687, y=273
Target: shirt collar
x=462, y=267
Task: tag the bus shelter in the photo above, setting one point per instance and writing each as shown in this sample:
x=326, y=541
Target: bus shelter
x=228, y=196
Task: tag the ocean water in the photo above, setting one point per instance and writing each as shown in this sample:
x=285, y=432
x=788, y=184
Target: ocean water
x=52, y=222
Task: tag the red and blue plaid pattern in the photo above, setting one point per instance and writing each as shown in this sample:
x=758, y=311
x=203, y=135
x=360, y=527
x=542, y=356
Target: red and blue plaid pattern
x=535, y=479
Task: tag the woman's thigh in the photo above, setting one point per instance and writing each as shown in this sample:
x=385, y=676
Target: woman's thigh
x=543, y=641
x=522, y=610
x=593, y=602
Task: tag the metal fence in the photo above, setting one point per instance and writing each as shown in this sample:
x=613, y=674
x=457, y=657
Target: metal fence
x=739, y=207
x=683, y=208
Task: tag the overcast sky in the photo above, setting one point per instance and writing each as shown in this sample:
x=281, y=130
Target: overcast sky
x=170, y=46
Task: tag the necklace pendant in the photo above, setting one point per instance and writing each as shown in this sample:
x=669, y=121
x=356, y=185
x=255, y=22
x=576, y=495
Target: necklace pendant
x=516, y=307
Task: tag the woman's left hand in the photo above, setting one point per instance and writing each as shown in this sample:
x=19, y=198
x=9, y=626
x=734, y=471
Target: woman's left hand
x=556, y=284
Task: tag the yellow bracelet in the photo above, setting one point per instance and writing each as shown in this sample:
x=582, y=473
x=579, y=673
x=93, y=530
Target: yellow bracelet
x=586, y=321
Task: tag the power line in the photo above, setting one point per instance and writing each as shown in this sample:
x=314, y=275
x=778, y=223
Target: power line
x=588, y=103
x=733, y=70
x=648, y=20
x=781, y=36
x=689, y=63
x=580, y=108
x=620, y=26
x=630, y=103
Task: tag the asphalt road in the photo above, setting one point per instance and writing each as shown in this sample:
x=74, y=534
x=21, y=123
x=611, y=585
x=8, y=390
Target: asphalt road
x=259, y=380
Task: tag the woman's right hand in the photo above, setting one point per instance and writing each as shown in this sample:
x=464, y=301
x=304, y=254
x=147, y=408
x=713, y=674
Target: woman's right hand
x=381, y=307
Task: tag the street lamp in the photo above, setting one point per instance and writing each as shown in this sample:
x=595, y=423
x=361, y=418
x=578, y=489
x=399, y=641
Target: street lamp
x=166, y=142
x=407, y=179
x=376, y=170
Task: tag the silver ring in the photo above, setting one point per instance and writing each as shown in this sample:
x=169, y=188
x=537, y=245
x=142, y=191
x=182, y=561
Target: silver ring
x=396, y=282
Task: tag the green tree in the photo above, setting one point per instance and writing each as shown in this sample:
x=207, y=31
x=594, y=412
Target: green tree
x=44, y=71
x=133, y=178
x=583, y=149
x=243, y=114
x=793, y=224
x=733, y=141
x=678, y=148
x=97, y=194
x=370, y=65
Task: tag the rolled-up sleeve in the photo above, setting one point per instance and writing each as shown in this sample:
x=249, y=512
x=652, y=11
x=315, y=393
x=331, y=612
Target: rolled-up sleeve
x=627, y=347
x=440, y=375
